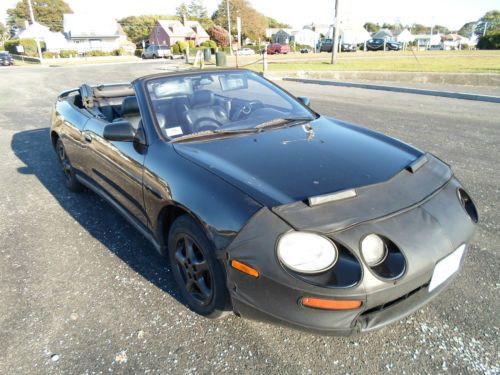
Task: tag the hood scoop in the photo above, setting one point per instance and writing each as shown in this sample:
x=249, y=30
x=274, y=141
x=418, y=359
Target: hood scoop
x=340, y=195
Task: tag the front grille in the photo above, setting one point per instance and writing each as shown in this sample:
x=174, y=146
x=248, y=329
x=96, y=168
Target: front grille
x=393, y=302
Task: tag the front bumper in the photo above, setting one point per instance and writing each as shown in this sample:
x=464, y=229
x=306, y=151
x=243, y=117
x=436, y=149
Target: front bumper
x=425, y=234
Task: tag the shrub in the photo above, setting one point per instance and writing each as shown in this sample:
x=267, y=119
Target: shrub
x=49, y=55
x=219, y=35
x=68, y=53
x=28, y=44
x=175, y=49
x=182, y=46
x=191, y=44
x=94, y=53
x=464, y=46
x=119, y=52
x=490, y=41
x=138, y=52
x=212, y=44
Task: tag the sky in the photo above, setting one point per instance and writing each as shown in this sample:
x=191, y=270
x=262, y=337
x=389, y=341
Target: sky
x=450, y=13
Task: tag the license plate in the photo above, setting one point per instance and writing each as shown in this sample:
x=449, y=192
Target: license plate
x=446, y=267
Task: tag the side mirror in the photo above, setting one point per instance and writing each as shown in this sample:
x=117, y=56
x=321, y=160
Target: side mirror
x=119, y=131
x=304, y=100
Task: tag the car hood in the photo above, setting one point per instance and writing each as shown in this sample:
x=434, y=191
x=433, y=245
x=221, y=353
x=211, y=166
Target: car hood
x=280, y=166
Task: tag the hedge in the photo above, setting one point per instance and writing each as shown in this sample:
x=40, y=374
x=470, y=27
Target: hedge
x=28, y=44
x=490, y=41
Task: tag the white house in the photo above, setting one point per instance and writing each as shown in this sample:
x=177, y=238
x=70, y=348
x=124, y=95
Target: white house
x=54, y=42
x=305, y=36
x=405, y=36
x=88, y=32
x=427, y=40
x=354, y=34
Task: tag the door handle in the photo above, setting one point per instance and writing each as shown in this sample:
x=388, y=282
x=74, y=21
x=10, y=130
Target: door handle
x=87, y=136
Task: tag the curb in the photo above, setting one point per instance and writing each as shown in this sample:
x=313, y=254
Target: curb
x=406, y=90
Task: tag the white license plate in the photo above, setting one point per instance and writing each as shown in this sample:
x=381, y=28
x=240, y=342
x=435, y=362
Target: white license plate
x=446, y=267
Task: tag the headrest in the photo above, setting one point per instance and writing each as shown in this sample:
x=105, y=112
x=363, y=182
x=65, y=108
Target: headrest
x=130, y=106
x=202, y=98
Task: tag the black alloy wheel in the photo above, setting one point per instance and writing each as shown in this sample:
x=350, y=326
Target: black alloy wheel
x=70, y=179
x=200, y=276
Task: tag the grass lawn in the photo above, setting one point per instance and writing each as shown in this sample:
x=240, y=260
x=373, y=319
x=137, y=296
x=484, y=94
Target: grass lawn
x=443, y=61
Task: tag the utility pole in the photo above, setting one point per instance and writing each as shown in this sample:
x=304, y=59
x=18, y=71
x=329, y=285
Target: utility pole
x=335, y=45
x=32, y=16
x=229, y=29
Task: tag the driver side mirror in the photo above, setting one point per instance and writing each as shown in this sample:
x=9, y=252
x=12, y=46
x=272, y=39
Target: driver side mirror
x=119, y=131
x=304, y=100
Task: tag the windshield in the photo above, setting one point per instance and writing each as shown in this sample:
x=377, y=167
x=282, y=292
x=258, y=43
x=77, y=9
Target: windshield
x=220, y=102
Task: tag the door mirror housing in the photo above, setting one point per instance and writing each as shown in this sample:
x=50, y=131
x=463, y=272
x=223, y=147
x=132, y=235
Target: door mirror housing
x=304, y=100
x=119, y=131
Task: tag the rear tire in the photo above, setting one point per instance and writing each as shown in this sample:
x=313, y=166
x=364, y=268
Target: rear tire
x=198, y=273
x=70, y=179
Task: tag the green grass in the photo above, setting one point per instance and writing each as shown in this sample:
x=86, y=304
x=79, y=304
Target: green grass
x=449, y=62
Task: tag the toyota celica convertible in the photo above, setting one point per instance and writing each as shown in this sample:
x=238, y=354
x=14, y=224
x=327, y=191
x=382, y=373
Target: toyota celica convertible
x=263, y=206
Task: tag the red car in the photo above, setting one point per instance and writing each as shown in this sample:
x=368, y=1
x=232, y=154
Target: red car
x=278, y=48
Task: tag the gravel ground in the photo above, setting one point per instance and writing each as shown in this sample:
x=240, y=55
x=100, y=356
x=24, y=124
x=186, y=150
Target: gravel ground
x=82, y=292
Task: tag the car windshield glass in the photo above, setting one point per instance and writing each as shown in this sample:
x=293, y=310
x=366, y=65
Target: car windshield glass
x=220, y=103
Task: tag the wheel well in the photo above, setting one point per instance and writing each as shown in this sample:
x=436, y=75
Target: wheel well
x=167, y=216
x=54, y=137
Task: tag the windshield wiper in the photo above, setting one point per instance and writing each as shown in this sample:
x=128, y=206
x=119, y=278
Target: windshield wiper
x=212, y=133
x=283, y=121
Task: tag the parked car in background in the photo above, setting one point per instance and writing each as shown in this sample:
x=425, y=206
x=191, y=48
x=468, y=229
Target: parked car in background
x=378, y=45
x=245, y=52
x=326, y=45
x=278, y=48
x=155, y=51
x=305, y=50
x=6, y=58
x=436, y=47
x=348, y=47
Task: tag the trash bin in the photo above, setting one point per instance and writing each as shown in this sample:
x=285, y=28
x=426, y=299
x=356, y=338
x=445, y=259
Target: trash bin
x=220, y=59
x=207, y=54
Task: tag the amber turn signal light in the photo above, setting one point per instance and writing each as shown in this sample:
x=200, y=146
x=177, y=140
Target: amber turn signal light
x=331, y=304
x=244, y=268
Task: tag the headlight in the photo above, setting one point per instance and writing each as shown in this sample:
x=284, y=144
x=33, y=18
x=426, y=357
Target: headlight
x=373, y=249
x=307, y=252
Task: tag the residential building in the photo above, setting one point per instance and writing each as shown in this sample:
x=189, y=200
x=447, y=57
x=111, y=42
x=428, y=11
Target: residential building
x=168, y=32
x=305, y=36
x=89, y=32
x=405, y=36
x=354, y=34
x=383, y=34
x=54, y=42
x=282, y=36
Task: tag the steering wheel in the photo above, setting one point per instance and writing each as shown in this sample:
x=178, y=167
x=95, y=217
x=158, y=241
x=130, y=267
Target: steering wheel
x=247, y=108
x=206, y=123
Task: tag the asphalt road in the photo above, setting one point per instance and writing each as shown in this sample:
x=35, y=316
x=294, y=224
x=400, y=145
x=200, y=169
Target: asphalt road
x=82, y=292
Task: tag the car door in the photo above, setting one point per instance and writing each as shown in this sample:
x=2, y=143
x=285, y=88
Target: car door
x=117, y=167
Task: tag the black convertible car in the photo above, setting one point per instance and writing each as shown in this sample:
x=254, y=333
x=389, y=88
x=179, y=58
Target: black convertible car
x=263, y=206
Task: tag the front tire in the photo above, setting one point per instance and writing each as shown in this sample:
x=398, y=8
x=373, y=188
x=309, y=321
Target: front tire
x=199, y=275
x=70, y=179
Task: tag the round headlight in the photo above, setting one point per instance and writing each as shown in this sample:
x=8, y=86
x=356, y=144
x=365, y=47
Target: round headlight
x=373, y=249
x=307, y=252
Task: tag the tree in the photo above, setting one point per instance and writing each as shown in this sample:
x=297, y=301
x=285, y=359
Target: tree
x=490, y=21
x=467, y=29
x=253, y=22
x=138, y=28
x=197, y=10
x=219, y=35
x=46, y=12
x=272, y=23
x=440, y=29
x=182, y=11
x=3, y=32
x=371, y=27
